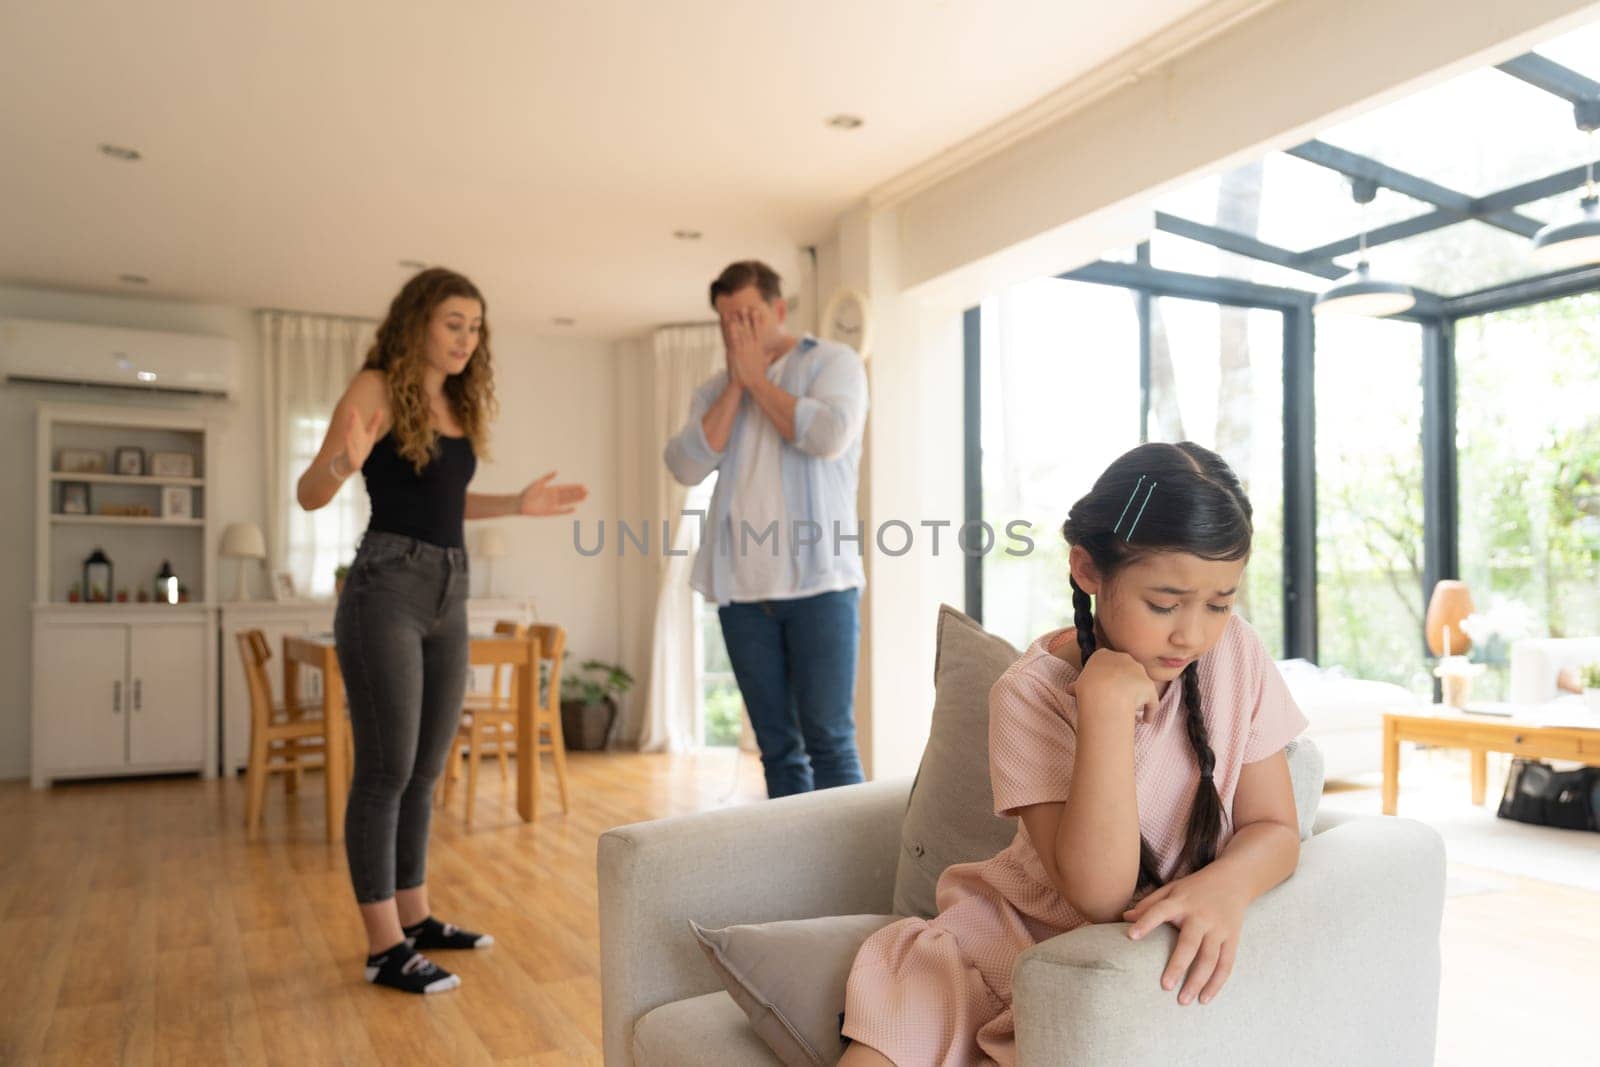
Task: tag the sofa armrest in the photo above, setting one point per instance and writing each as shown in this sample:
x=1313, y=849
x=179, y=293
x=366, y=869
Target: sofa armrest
x=1338, y=965
x=831, y=852
x=1327, y=819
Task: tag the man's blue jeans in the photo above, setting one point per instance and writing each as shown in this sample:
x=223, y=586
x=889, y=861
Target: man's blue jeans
x=795, y=661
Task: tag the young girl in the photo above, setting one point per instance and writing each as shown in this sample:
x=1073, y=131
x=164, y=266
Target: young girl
x=413, y=423
x=1143, y=754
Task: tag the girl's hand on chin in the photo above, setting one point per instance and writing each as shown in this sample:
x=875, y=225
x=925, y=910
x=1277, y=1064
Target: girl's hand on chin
x=1115, y=682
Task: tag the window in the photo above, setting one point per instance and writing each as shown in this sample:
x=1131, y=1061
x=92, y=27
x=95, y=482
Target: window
x=1457, y=180
x=720, y=702
x=1216, y=378
x=1060, y=389
x=1369, y=497
x=721, y=707
x=1528, y=461
x=322, y=540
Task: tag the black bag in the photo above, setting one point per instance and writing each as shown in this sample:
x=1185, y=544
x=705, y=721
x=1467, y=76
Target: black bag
x=1538, y=793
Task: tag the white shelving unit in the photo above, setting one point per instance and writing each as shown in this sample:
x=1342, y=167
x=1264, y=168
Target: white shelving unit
x=123, y=688
x=121, y=520
x=123, y=479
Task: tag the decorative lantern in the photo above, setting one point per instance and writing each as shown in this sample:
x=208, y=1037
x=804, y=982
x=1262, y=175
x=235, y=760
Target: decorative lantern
x=166, y=584
x=97, y=585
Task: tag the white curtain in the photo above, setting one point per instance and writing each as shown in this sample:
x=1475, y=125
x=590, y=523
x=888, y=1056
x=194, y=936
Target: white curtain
x=683, y=358
x=308, y=361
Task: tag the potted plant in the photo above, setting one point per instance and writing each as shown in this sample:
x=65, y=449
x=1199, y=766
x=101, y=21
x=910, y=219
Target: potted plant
x=340, y=573
x=588, y=707
x=1591, y=686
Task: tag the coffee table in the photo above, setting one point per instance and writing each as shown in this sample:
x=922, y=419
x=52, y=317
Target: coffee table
x=1478, y=734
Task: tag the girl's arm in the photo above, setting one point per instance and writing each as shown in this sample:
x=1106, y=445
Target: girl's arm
x=1089, y=844
x=1265, y=847
x=358, y=421
x=1208, y=906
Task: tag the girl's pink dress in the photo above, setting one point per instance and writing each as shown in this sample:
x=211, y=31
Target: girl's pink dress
x=938, y=991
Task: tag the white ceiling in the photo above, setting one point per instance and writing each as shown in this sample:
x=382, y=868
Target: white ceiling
x=294, y=151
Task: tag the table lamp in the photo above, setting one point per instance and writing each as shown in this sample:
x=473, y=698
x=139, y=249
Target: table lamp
x=242, y=541
x=491, y=546
x=1450, y=604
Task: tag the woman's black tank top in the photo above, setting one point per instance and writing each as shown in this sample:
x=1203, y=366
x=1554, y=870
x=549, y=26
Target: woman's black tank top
x=430, y=506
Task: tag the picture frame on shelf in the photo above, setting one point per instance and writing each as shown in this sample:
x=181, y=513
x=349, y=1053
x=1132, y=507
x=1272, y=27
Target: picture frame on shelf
x=81, y=461
x=74, y=498
x=130, y=461
x=283, y=586
x=177, y=502
x=171, y=465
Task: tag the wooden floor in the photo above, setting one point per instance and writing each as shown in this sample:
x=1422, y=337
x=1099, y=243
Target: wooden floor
x=140, y=927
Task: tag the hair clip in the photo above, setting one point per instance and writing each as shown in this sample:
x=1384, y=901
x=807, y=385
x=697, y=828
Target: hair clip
x=1131, y=526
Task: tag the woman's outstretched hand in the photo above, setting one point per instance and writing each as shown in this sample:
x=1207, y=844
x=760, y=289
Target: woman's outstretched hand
x=542, y=498
x=1208, y=911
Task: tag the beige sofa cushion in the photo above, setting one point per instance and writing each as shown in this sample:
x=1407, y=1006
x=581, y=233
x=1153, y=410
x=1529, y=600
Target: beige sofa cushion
x=951, y=816
x=789, y=979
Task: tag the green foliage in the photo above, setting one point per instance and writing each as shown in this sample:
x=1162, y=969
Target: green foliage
x=1528, y=455
x=594, y=681
x=1591, y=676
x=724, y=714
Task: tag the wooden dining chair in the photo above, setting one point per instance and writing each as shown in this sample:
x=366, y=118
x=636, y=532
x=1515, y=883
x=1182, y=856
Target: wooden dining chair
x=285, y=738
x=490, y=718
x=488, y=724
x=551, y=647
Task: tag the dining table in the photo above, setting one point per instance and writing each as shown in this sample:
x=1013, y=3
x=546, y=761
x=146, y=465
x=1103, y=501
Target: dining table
x=319, y=652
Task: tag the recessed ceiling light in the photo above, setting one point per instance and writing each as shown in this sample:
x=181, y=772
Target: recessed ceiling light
x=134, y=279
x=117, y=151
x=687, y=235
x=846, y=122
x=146, y=375
x=413, y=264
x=562, y=320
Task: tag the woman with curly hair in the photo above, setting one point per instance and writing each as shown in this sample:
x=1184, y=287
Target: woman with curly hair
x=413, y=422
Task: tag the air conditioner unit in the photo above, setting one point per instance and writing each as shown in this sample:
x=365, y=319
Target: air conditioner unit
x=67, y=353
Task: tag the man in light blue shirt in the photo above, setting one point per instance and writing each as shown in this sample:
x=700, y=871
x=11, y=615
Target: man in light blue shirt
x=781, y=426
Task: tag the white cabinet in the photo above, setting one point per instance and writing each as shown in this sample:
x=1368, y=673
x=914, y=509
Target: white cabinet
x=167, y=697
x=120, y=690
x=80, y=682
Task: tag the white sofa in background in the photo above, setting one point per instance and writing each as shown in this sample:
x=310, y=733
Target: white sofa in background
x=1345, y=715
x=1535, y=662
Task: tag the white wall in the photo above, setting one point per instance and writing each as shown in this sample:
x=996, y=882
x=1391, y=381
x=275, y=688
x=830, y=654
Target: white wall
x=557, y=412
